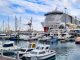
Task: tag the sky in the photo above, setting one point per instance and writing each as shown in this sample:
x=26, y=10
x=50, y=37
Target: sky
x=35, y=9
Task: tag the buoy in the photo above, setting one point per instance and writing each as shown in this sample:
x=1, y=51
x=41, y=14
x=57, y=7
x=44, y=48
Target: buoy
x=33, y=45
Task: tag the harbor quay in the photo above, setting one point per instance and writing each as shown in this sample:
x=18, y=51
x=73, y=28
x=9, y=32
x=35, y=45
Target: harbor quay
x=6, y=58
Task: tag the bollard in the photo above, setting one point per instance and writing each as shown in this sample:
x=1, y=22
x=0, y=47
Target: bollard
x=18, y=55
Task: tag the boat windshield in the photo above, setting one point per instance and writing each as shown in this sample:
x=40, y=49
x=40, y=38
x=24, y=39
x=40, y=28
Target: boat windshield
x=37, y=48
x=33, y=52
x=42, y=52
x=22, y=50
x=40, y=48
x=8, y=45
x=29, y=50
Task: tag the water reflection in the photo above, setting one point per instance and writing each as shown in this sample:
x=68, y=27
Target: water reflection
x=67, y=51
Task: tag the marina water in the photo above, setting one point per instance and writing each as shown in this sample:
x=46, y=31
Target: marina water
x=65, y=51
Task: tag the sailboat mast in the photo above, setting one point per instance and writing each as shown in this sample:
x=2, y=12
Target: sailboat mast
x=20, y=24
x=3, y=25
x=31, y=24
x=15, y=23
x=8, y=23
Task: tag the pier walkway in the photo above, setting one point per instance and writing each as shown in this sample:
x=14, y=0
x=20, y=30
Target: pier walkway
x=6, y=58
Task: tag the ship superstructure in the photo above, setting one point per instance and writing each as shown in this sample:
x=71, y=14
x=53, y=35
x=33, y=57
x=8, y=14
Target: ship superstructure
x=57, y=20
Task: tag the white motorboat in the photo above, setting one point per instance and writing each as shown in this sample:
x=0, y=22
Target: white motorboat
x=27, y=37
x=40, y=53
x=8, y=45
x=3, y=35
x=45, y=38
x=23, y=51
x=7, y=48
x=30, y=36
x=24, y=37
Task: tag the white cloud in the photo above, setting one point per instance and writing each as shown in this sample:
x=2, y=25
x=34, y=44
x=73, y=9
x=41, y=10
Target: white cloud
x=49, y=5
x=4, y=6
x=20, y=10
x=35, y=7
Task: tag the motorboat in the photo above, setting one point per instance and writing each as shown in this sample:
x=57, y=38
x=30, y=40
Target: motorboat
x=4, y=36
x=23, y=51
x=8, y=45
x=24, y=37
x=27, y=49
x=14, y=37
x=30, y=36
x=7, y=48
x=45, y=38
x=41, y=52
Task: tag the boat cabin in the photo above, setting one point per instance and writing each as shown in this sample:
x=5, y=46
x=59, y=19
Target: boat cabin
x=40, y=49
x=8, y=44
x=43, y=47
x=36, y=52
x=25, y=50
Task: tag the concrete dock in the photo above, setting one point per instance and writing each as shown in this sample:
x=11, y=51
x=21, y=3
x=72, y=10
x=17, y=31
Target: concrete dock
x=6, y=58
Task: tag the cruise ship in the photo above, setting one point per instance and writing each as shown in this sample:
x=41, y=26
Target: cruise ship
x=59, y=21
